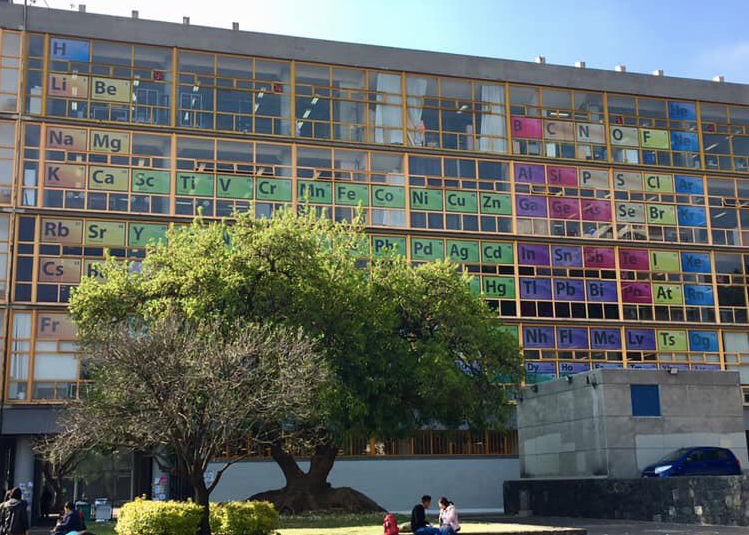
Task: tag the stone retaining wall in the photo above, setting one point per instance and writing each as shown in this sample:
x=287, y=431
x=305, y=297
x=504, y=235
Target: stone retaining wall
x=693, y=500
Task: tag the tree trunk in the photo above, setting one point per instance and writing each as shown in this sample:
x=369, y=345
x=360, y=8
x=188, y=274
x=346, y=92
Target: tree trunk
x=202, y=498
x=310, y=491
x=56, y=483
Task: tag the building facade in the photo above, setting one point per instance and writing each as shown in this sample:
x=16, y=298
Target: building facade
x=601, y=213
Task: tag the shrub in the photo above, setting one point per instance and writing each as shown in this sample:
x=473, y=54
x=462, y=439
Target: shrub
x=145, y=517
x=243, y=518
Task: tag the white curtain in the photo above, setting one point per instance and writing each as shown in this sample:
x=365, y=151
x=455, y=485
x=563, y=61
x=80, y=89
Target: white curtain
x=21, y=328
x=388, y=118
x=492, y=119
x=416, y=88
x=19, y=366
x=56, y=367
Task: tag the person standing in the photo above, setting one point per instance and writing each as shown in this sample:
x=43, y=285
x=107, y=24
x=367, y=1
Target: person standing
x=449, y=524
x=419, y=524
x=14, y=519
x=45, y=502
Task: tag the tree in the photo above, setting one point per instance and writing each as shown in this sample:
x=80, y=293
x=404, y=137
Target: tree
x=409, y=346
x=60, y=460
x=192, y=389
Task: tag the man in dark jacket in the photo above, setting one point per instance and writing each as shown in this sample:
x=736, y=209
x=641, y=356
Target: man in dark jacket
x=71, y=521
x=14, y=519
x=419, y=524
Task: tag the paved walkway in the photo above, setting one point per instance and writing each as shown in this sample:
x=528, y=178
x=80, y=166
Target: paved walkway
x=626, y=527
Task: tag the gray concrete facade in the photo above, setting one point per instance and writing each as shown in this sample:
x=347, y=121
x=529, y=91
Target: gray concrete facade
x=585, y=428
x=29, y=419
x=473, y=483
x=95, y=26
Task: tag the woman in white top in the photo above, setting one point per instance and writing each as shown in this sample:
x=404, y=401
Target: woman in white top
x=449, y=524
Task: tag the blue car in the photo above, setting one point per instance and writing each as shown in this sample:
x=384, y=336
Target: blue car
x=702, y=461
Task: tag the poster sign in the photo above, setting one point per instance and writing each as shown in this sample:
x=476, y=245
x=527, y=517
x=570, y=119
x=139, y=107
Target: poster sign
x=636, y=292
x=530, y=206
x=601, y=291
x=596, y=210
x=538, y=337
x=640, y=339
x=535, y=288
x=532, y=174
x=599, y=257
x=572, y=338
x=605, y=339
x=634, y=259
x=566, y=256
x=533, y=255
x=527, y=127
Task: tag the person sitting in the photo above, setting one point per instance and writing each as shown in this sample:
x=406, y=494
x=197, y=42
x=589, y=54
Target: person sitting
x=71, y=521
x=449, y=524
x=419, y=524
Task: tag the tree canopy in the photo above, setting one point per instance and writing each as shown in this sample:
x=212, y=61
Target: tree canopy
x=190, y=389
x=409, y=345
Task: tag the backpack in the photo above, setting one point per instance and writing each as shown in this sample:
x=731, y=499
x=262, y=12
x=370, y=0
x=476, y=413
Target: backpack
x=390, y=525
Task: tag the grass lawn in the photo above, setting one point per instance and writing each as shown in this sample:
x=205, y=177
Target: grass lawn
x=371, y=524
x=342, y=524
x=333, y=520
x=100, y=528
x=376, y=529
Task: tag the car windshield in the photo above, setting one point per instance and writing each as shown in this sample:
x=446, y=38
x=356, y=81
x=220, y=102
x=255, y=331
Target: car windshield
x=674, y=456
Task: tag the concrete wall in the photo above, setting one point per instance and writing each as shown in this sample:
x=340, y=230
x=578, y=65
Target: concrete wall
x=578, y=430
x=560, y=432
x=700, y=500
x=473, y=483
x=23, y=474
x=698, y=409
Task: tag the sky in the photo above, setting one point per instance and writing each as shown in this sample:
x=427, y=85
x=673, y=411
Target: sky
x=687, y=38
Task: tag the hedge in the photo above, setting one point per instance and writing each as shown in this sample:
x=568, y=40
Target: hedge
x=145, y=517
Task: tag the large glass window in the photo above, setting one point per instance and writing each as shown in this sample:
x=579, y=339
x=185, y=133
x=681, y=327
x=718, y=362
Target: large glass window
x=660, y=207
x=653, y=131
x=10, y=68
x=96, y=169
x=344, y=183
x=44, y=360
x=725, y=136
x=34, y=74
x=459, y=194
x=557, y=123
x=731, y=286
x=724, y=211
x=455, y=114
x=69, y=249
x=7, y=160
x=108, y=81
x=736, y=349
x=232, y=93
